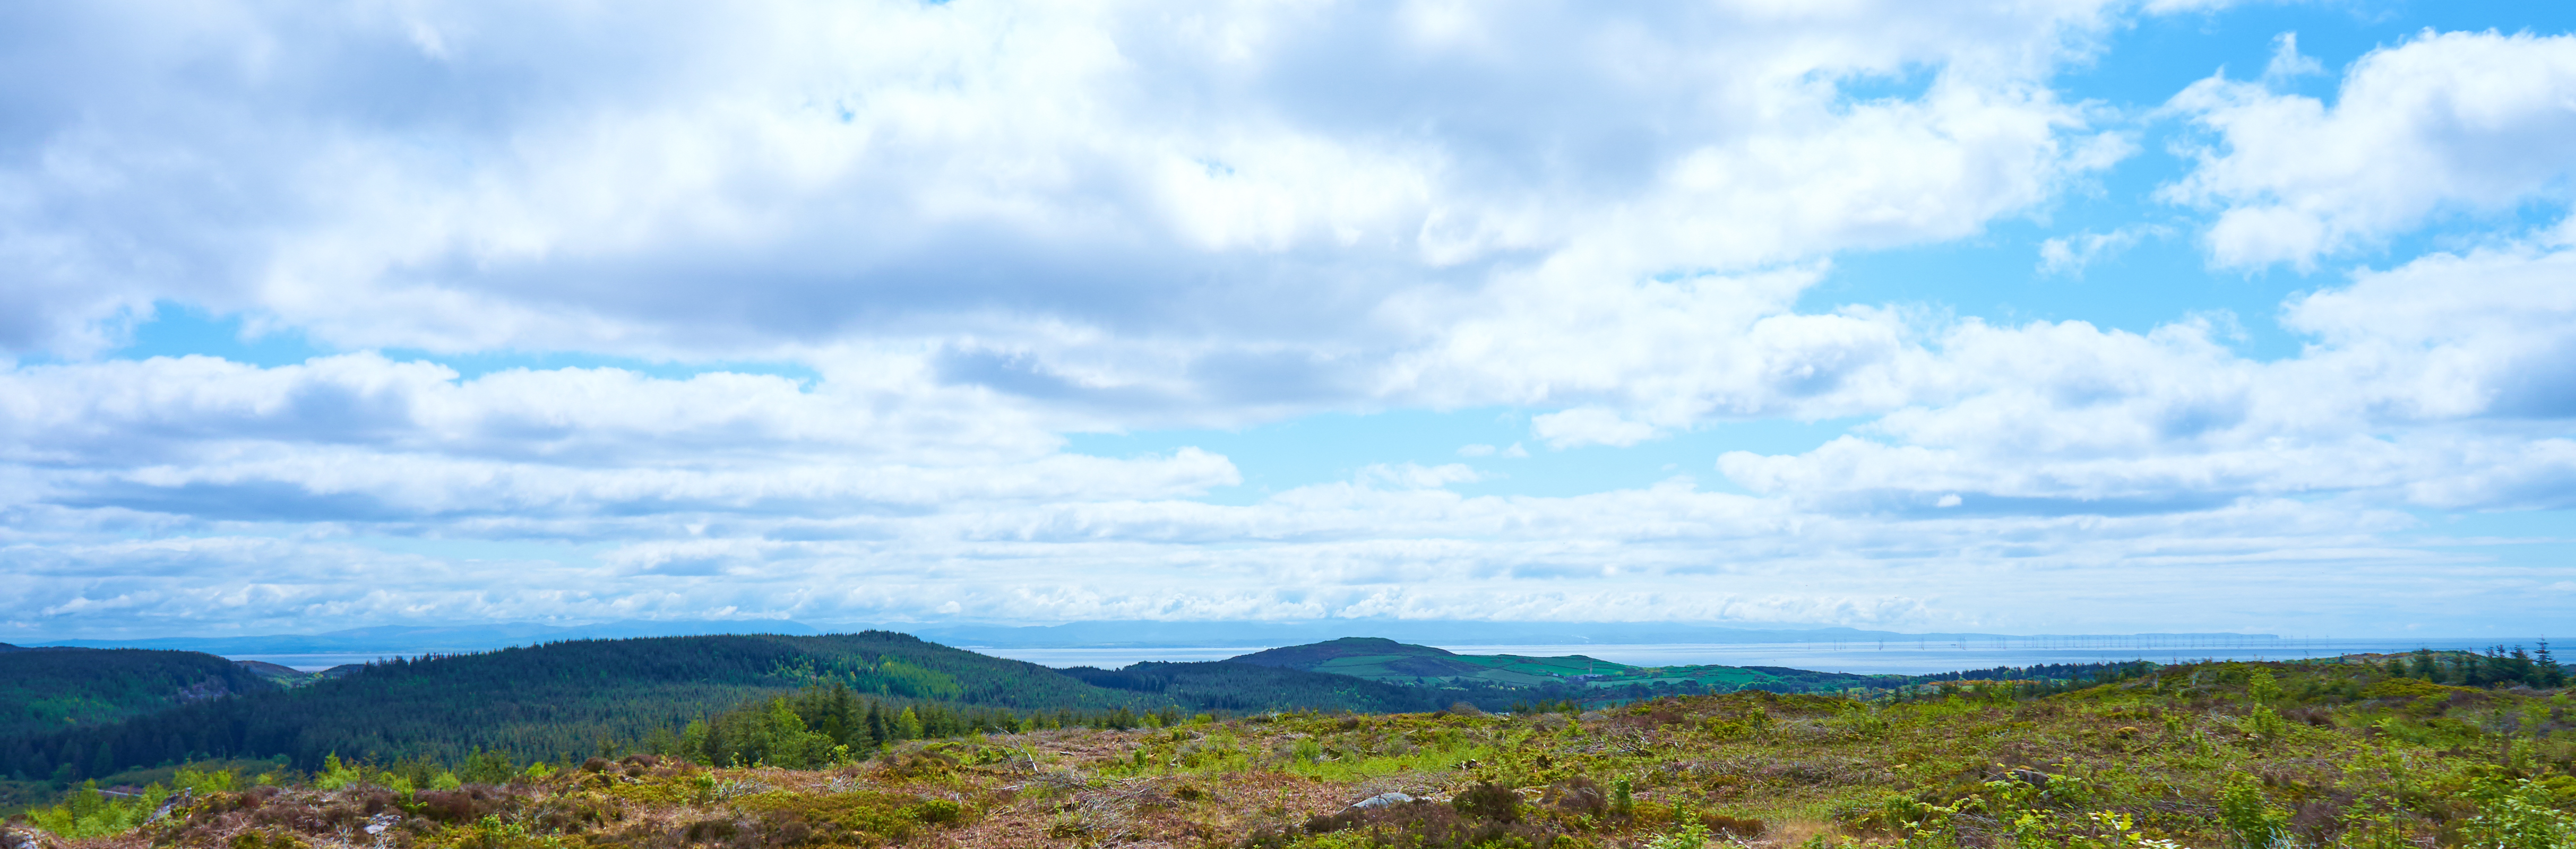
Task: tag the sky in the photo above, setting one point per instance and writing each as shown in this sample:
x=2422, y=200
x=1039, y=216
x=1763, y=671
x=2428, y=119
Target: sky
x=2051, y=316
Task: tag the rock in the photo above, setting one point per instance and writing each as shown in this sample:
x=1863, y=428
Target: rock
x=22, y=839
x=378, y=823
x=178, y=800
x=1380, y=800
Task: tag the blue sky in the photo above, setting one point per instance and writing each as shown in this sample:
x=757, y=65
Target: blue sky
x=2075, y=316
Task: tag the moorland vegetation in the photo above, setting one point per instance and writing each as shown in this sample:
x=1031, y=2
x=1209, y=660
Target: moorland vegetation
x=2433, y=749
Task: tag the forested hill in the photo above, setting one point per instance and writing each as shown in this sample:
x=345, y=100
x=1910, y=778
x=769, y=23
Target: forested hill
x=1380, y=659
x=1242, y=688
x=544, y=700
x=1499, y=677
x=44, y=690
x=569, y=697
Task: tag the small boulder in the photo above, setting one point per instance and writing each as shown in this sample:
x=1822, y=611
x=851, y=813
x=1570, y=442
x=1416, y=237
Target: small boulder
x=1379, y=801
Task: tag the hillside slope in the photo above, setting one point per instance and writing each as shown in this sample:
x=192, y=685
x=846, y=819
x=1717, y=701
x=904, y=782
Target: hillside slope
x=1381, y=659
x=1384, y=660
x=1243, y=688
x=50, y=689
x=558, y=698
x=569, y=698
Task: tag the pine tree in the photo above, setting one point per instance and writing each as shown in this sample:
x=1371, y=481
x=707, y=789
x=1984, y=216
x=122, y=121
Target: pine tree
x=878, y=733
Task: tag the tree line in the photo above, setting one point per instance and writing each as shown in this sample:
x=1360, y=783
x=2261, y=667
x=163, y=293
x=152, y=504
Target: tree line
x=2495, y=667
x=557, y=699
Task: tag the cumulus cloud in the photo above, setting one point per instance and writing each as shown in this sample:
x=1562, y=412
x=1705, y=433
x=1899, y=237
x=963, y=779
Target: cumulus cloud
x=1242, y=205
x=2422, y=389
x=2445, y=122
x=982, y=227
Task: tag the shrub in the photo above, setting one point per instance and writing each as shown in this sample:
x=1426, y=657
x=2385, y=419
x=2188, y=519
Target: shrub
x=1690, y=835
x=2518, y=815
x=1490, y=801
x=1578, y=795
x=1416, y=825
x=2248, y=817
x=936, y=811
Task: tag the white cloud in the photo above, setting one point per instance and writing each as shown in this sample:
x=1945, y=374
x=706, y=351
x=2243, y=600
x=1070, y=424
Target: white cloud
x=2469, y=122
x=2070, y=254
x=1233, y=213
x=2421, y=390
x=1589, y=426
x=2287, y=65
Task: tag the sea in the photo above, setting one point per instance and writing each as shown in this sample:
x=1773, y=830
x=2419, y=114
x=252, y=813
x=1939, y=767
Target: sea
x=1898, y=657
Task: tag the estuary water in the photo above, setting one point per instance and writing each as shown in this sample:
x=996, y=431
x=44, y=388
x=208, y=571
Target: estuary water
x=319, y=662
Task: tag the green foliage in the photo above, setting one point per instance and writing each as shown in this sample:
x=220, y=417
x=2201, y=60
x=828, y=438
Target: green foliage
x=336, y=774
x=205, y=782
x=2250, y=819
x=552, y=701
x=2518, y=815
x=485, y=766
x=2264, y=725
x=1689, y=835
x=1247, y=688
x=89, y=813
x=2263, y=688
x=49, y=689
x=1491, y=681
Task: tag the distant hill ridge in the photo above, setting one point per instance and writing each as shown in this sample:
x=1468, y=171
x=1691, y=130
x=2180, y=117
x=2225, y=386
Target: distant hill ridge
x=1382, y=659
x=562, y=698
x=418, y=639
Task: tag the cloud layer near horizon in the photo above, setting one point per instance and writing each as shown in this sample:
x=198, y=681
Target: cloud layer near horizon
x=982, y=227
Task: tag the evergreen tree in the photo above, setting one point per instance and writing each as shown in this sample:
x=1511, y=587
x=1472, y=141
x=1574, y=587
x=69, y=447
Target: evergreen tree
x=878, y=734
